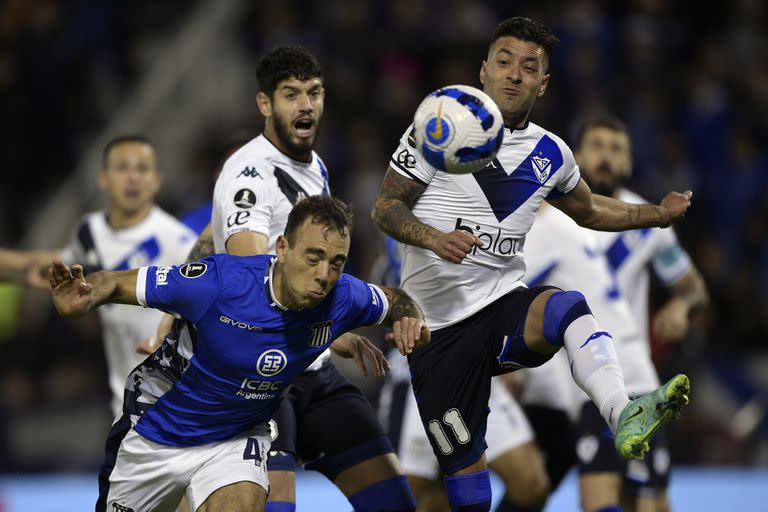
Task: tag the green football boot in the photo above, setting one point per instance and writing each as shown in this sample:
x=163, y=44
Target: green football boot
x=643, y=416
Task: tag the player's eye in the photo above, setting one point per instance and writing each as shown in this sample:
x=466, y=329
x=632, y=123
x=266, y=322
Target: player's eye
x=530, y=69
x=503, y=62
x=337, y=267
x=290, y=95
x=312, y=261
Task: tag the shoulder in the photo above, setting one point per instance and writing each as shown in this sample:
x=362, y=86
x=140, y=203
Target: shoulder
x=559, y=142
x=250, y=161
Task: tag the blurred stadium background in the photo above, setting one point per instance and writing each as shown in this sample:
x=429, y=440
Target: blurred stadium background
x=689, y=78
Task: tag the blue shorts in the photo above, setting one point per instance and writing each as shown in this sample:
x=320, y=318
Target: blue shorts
x=326, y=423
x=452, y=375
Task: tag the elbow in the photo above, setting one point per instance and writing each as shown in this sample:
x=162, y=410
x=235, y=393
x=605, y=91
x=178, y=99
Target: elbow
x=587, y=219
x=377, y=214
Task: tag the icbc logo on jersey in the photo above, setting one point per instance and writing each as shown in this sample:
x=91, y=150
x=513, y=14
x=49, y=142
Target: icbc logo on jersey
x=271, y=362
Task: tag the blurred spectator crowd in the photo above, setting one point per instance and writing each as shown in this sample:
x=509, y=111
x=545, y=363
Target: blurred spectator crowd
x=689, y=79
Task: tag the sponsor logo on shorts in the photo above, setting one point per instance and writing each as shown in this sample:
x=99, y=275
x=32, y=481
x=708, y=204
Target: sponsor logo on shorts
x=271, y=362
x=193, y=270
x=116, y=507
x=586, y=448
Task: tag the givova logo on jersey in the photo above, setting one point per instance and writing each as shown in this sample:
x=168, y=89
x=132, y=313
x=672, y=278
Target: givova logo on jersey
x=492, y=238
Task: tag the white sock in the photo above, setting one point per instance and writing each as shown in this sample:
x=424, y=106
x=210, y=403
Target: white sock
x=595, y=367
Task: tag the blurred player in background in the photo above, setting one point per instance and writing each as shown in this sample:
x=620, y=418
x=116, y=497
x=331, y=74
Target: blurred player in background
x=324, y=421
x=463, y=264
x=512, y=452
x=196, y=413
x=131, y=231
x=604, y=156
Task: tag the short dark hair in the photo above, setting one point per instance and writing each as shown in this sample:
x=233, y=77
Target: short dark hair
x=611, y=123
x=283, y=63
x=122, y=139
x=326, y=210
x=527, y=29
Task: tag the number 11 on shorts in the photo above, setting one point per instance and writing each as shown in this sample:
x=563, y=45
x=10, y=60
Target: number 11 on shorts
x=453, y=419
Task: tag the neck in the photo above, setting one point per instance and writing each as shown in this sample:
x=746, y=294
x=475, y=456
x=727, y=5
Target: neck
x=121, y=219
x=280, y=287
x=301, y=156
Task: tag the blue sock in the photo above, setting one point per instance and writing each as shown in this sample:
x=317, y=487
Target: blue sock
x=390, y=495
x=469, y=493
x=507, y=506
x=280, y=506
x=610, y=508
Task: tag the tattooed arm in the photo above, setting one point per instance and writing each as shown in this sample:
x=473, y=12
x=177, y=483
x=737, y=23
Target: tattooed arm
x=607, y=214
x=203, y=247
x=392, y=213
x=409, y=329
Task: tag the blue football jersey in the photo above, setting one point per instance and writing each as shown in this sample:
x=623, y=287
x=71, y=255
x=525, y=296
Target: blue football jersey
x=224, y=369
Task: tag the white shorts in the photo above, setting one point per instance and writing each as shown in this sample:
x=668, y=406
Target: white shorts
x=152, y=476
x=508, y=428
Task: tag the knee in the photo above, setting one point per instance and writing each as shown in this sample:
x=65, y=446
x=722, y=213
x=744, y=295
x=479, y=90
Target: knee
x=529, y=489
x=561, y=309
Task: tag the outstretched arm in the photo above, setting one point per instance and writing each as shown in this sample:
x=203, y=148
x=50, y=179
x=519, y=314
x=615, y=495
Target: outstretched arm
x=392, y=213
x=409, y=329
x=27, y=267
x=74, y=296
x=607, y=214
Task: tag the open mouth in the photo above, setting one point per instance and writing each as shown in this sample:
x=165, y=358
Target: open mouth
x=304, y=127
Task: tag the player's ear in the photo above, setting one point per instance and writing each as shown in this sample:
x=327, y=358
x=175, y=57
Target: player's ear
x=483, y=72
x=281, y=247
x=543, y=88
x=264, y=103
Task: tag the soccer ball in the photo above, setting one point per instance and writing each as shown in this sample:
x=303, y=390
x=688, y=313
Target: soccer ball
x=458, y=129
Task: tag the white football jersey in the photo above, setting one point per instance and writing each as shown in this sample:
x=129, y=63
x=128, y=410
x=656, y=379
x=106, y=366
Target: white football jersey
x=159, y=239
x=630, y=255
x=497, y=204
x=257, y=189
x=561, y=253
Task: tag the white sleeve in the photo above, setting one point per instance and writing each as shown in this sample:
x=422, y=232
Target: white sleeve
x=670, y=261
x=244, y=201
x=407, y=160
x=570, y=175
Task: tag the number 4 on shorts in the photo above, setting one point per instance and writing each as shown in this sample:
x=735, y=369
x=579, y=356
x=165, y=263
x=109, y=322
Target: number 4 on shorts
x=453, y=419
x=253, y=451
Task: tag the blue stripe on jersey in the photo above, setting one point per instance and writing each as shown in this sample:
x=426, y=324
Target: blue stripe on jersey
x=324, y=172
x=539, y=278
x=619, y=250
x=149, y=249
x=506, y=192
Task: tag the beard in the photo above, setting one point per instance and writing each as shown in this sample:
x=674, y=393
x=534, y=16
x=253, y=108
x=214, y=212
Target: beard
x=605, y=187
x=283, y=132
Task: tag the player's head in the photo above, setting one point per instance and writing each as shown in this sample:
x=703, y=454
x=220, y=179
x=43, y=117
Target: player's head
x=514, y=73
x=604, y=154
x=313, y=250
x=129, y=175
x=290, y=98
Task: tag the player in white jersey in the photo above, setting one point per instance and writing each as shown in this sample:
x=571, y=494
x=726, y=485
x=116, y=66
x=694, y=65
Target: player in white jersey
x=464, y=265
x=325, y=422
x=131, y=231
x=604, y=155
x=512, y=452
x=561, y=253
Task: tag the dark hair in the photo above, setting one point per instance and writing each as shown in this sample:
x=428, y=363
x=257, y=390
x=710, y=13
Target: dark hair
x=527, y=29
x=283, y=63
x=611, y=123
x=325, y=210
x=121, y=139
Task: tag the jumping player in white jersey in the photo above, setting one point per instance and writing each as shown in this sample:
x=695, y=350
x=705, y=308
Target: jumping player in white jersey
x=131, y=231
x=325, y=422
x=604, y=155
x=463, y=263
x=197, y=410
x=512, y=451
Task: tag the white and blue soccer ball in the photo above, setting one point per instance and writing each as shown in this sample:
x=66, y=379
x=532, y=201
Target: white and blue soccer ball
x=458, y=129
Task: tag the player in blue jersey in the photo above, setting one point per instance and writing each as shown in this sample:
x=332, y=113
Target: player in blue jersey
x=325, y=423
x=197, y=410
x=464, y=237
